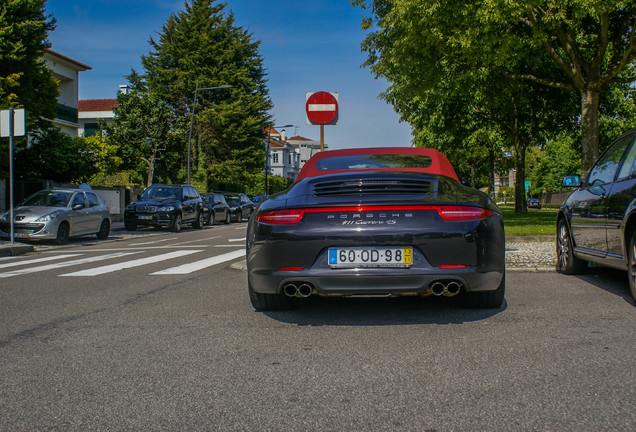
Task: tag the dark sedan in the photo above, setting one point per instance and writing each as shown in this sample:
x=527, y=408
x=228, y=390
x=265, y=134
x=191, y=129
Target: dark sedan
x=376, y=221
x=215, y=209
x=597, y=222
x=534, y=203
x=241, y=206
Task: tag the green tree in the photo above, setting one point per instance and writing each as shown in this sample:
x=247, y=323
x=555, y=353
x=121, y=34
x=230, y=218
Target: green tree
x=582, y=46
x=547, y=165
x=53, y=155
x=203, y=43
x=143, y=131
x=457, y=104
x=104, y=153
x=25, y=81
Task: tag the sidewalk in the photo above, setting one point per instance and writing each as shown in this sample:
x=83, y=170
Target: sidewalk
x=523, y=254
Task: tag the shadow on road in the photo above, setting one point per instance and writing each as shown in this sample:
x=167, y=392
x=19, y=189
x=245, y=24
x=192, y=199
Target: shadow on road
x=320, y=311
x=609, y=279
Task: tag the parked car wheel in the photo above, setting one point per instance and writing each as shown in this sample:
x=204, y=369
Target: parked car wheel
x=227, y=218
x=567, y=263
x=631, y=271
x=268, y=302
x=211, y=218
x=63, y=232
x=104, y=230
x=176, y=224
x=198, y=222
x=485, y=299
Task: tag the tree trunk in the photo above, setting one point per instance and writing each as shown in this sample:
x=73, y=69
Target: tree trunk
x=520, y=181
x=590, y=100
x=491, y=173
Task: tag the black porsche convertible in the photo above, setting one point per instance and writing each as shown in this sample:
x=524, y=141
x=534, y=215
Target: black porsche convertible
x=376, y=221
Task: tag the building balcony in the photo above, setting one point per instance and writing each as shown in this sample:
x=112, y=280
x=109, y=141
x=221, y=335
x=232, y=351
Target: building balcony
x=66, y=113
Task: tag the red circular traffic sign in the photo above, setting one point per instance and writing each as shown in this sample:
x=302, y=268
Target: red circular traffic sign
x=321, y=108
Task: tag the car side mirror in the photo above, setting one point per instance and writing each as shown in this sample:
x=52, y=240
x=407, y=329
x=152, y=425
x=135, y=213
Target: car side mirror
x=572, y=180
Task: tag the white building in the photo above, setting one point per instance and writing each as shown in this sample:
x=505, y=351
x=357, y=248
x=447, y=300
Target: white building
x=91, y=110
x=305, y=147
x=66, y=71
x=284, y=161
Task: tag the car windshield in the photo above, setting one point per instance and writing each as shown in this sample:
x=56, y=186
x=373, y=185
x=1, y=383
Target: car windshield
x=161, y=192
x=48, y=199
x=375, y=161
x=232, y=200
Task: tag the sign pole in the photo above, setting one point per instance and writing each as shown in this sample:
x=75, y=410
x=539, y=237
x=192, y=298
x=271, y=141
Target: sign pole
x=322, y=138
x=12, y=124
x=11, y=230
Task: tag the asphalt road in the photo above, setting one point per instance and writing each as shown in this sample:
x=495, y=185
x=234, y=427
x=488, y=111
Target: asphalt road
x=143, y=348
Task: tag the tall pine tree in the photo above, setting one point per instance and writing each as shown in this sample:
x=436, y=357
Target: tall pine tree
x=202, y=42
x=25, y=81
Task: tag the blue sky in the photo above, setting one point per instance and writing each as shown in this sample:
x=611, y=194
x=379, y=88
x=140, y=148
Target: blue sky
x=306, y=46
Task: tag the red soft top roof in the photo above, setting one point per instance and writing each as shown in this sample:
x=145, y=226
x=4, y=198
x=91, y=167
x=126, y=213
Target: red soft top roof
x=439, y=163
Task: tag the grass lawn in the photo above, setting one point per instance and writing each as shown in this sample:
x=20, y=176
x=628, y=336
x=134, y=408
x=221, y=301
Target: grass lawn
x=535, y=222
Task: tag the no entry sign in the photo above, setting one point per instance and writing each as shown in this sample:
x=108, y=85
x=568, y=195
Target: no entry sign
x=322, y=108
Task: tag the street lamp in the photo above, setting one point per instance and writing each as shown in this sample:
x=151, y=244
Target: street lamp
x=194, y=105
x=269, y=135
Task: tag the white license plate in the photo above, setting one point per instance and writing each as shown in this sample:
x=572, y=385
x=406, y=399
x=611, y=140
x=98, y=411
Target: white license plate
x=370, y=257
x=21, y=235
x=144, y=217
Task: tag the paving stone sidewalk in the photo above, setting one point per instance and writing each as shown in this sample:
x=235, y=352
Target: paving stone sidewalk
x=537, y=254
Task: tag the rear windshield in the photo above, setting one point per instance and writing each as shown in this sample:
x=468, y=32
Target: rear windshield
x=376, y=161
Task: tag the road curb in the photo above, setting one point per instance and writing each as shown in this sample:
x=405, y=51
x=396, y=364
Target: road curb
x=15, y=250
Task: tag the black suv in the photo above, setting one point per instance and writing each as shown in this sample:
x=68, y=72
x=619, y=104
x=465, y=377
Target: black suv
x=165, y=206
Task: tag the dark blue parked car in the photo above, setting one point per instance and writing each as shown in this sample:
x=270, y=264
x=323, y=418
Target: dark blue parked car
x=215, y=208
x=597, y=222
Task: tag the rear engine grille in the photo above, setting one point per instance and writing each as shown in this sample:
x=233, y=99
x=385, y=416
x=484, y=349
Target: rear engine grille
x=377, y=186
x=146, y=209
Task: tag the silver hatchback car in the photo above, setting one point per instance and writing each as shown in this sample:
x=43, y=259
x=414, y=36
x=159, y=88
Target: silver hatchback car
x=57, y=214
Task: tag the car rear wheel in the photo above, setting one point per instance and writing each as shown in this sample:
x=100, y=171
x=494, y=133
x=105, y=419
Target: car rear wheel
x=104, y=230
x=485, y=299
x=270, y=302
x=632, y=265
x=63, y=232
x=176, y=224
x=198, y=222
x=567, y=263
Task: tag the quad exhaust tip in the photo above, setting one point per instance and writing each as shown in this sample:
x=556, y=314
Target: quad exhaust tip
x=446, y=288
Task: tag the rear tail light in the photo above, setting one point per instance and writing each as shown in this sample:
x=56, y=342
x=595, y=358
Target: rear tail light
x=287, y=216
x=449, y=212
x=463, y=212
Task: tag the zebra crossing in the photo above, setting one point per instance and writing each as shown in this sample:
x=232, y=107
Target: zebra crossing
x=135, y=255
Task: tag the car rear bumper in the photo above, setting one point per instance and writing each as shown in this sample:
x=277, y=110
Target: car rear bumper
x=373, y=282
